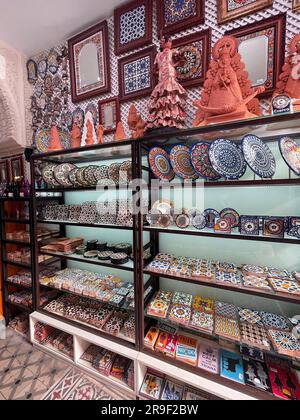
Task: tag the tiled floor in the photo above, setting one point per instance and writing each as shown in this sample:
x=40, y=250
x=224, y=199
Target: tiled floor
x=29, y=374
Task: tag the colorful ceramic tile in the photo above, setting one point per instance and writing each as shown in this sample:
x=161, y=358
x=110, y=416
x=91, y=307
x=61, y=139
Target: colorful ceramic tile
x=232, y=367
x=273, y=321
x=180, y=314
x=252, y=317
x=182, y=299
x=254, y=282
x=285, y=343
x=227, y=328
x=229, y=278
x=250, y=225
x=285, y=286
x=202, y=321
x=158, y=308
x=274, y=227
x=226, y=310
x=203, y=305
x=255, y=336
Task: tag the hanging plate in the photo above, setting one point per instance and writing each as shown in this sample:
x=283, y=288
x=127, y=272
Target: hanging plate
x=290, y=152
x=78, y=117
x=201, y=162
x=211, y=216
x=181, y=162
x=89, y=175
x=231, y=215
x=227, y=159
x=48, y=175
x=159, y=163
x=259, y=156
x=73, y=178
x=61, y=174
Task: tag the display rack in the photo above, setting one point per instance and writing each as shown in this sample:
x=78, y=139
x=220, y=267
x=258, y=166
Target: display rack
x=268, y=128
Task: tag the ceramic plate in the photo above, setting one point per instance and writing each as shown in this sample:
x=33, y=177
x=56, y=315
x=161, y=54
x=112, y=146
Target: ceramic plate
x=89, y=175
x=81, y=179
x=232, y=216
x=42, y=140
x=114, y=172
x=227, y=159
x=78, y=117
x=181, y=162
x=290, y=151
x=162, y=207
x=199, y=221
x=160, y=165
x=73, y=178
x=48, y=175
x=101, y=173
x=259, y=156
x=126, y=172
x=61, y=174
x=201, y=162
x=211, y=216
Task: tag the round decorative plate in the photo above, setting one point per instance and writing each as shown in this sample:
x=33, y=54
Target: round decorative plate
x=160, y=165
x=162, y=207
x=114, y=172
x=80, y=178
x=73, y=178
x=183, y=221
x=290, y=151
x=101, y=173
x=165, y=221
x=211, y=216
x=191, y=62
x=61, y=174
x=199, y=222
x=48, y=175
x=295, y=232
x=232, y=216
x=181, y=162
x=259, y=156
x=42, y=140
x=227, y=159
x=126, y=172
x=201, y=162
x=78, y=117
x=89, y=175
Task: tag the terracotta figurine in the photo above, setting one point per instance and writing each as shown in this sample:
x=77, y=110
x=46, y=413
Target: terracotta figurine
x=100, y=134
x=76, y=136
x=228, y=94
x=168, y=100
x=120, y=132
x=289, y=81
x=136, y=123
x=55, y=143
x=89, y=136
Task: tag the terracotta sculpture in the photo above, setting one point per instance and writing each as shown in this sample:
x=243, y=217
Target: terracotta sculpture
x=120, y=132
x=76, y=136
x=168, y=100
x=89, y=136
x=55, y=143
x=136, y=123
x=289, y=81
x=100, y=134
x=228, y=94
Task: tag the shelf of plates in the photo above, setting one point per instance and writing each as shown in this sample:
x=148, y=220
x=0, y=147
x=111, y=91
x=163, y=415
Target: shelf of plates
x=250, y=193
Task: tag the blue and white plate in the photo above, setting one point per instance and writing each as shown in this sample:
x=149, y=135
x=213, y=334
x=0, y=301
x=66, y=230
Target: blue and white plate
x=227, y=159
x=211, y=215
x=199, y=221
x=259, y=156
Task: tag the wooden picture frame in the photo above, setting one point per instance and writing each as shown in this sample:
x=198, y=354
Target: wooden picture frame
x=198, y=43
x=96, y=81
x=168, y=24
x=137, y=16
x=225, y=15
x=272, y=31
x=4, y=171
x=109, y=114
x=17, y=168
x=296, y=5
x=129, y=78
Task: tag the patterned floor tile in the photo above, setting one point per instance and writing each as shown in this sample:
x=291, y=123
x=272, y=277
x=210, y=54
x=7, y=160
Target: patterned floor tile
x=65, y=385
x=33, y=390
x=49, y=371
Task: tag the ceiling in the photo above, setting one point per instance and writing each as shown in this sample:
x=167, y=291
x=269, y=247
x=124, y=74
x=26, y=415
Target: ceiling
x=30, y=26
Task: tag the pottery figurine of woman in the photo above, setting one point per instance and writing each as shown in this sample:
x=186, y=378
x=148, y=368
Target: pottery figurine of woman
x=100, y=134
x=55, y=143
x=289, y=80
x=228, y=94
x=168, y=100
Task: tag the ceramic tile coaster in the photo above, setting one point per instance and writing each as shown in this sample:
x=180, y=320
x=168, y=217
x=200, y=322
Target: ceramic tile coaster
x=256, y=375
x=252, y=317
x=202, y=321
x=285, y=343
x=158, y=308
x=229, y=278
x=182, y=299
x=285, y=286
x=254, y=270
x=180, y=314
x=255, y=335
x=226, y=267
x=165, y=257
x=250, y=225
x=226, y=310
x=160, y=266
x=203, y=305
x=162, y=295
x=253, y=282
x=277, y=322
x=278, y=273
x=227, y=328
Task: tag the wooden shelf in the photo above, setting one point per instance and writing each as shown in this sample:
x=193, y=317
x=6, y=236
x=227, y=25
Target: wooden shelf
x=230, y=288
x=18, y=243
x=16, y=264
x=17, y=285
x=85, y=225
x=19, y=306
